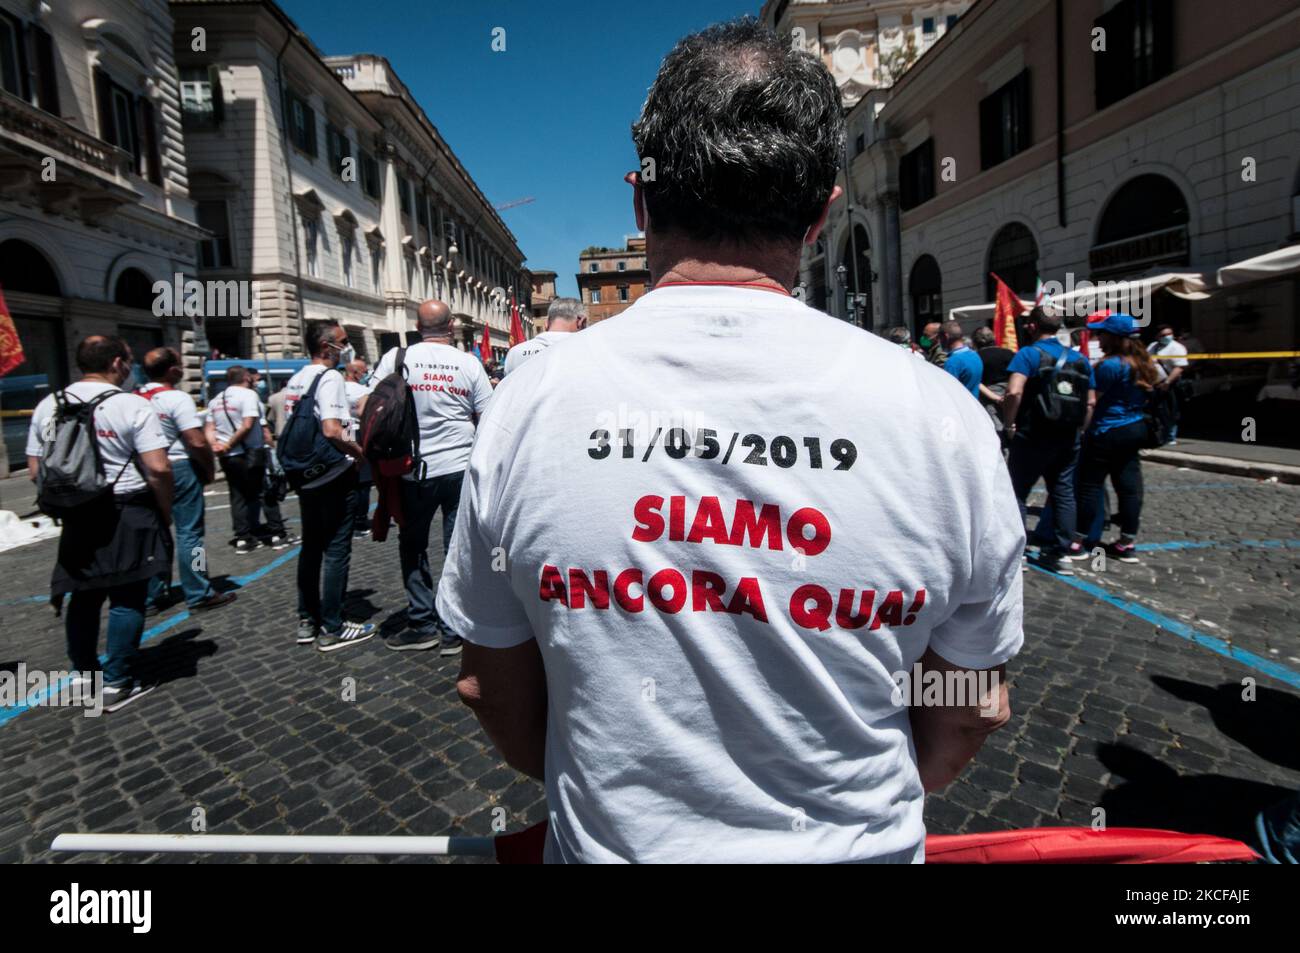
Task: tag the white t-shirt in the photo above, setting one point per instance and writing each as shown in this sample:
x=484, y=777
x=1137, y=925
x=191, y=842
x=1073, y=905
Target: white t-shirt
x=331, y=404
x=356, y=392
x=176, y=412
x=449, y=387
x=124, y=424
x=228, y=411
x=1172, y=349
x=531, y=348
x=690, y=724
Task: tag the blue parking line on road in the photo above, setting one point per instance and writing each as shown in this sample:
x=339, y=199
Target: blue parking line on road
x=1182, y=630
x=1215, y=544
x=9, y=714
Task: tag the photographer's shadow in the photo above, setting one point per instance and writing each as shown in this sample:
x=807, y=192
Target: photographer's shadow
x=1269, y=726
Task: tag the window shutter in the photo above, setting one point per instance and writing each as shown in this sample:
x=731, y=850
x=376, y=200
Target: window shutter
x=104, y=103
x=46, y=77
x=1024, y=113
x=218, y=100
x=310, y=145
x=990, y=131
x=151, y=148
x=24, y=74
x=1162, y=16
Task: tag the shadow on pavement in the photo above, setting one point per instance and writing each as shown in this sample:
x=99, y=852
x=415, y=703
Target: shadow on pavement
x=1269, y=726
x=175, y=657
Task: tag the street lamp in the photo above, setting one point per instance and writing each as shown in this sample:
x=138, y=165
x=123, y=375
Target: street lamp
x=841, y=275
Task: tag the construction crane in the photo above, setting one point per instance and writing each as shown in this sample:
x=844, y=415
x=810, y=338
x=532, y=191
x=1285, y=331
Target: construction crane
x=523, y=201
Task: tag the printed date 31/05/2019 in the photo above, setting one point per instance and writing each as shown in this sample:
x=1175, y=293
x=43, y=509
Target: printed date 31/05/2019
x=679, y=443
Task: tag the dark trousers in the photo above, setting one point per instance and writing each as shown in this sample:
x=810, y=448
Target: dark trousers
x=327, y=515
x=1054, y=462
x=187, y=520
x=361, y=522
x=1113, y=453
x=244, y=476
x=125, y=627
x=421, y=499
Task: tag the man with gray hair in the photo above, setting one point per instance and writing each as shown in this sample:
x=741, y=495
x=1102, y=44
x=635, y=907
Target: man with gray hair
x=564, y=316
x=450, y=389
x=701, y=652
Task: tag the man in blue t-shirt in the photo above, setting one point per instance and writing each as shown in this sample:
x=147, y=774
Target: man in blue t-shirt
x=1039, y=447
x=962, y=363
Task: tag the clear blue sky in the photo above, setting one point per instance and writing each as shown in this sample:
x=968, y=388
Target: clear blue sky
x=549, y=117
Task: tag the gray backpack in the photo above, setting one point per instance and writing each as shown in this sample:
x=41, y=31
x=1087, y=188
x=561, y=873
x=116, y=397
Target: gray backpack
x=71, y=472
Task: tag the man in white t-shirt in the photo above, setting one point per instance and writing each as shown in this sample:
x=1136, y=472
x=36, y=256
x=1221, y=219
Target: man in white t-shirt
x=110, y=550
x=710, y=652
x=354, y=377
x=565, y=316
x=1165, y=345
x=327, y=502
x=450, y=389
x=193, y=468
x=234, y=431
x=264, y=510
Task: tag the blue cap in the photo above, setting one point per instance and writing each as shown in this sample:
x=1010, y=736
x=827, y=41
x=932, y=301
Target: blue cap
x=1121, y=324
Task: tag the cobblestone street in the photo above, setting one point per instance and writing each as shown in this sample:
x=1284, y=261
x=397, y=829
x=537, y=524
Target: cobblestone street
x=1127, y=697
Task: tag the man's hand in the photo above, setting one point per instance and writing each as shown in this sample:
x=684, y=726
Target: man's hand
x=506, y=689
x=948, y=736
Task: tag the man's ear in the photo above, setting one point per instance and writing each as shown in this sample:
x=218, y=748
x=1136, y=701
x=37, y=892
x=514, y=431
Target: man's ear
x=638, y=199
x=810, y=236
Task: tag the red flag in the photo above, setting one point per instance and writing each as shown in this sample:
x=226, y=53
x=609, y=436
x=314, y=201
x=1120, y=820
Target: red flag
x=11, y=349
x=516, y=327
x=485, y=348
x=1005, y=313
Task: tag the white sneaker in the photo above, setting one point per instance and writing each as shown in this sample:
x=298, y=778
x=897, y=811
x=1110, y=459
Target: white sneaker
x=352, y=633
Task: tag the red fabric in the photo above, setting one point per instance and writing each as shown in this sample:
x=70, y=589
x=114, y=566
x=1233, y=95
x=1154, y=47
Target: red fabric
x=1083, y=845
x=1042, y=845
x=485, y=349
x=523, y=847
x=387, y=475
x=148, y=390
x=11, y=349
x=516, y=327
x=1005, y=312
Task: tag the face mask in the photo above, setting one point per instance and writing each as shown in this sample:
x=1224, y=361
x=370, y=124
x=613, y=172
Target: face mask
x=1167, y=339
x=346, y=354
x=925, y=341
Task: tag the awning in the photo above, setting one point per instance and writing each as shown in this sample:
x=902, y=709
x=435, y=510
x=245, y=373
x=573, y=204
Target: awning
x=1275, y=264
x=1078, y=303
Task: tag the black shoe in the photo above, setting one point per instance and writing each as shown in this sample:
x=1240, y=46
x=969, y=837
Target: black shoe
x=410, y=641
x=117, y=698
x=214, y=601
x=1123, y=553
x=283, y=542
x=450, y=644
x=245, y=546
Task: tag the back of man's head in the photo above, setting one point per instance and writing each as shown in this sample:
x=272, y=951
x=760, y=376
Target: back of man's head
x=236, y=376
x=745, y=135
x=899, y=335
x=433, y=319
x=96, y=354
x=159, y=362
x=1045, y=322
x=984, y=337
x=566, y=314
x=356, y=370
x=952, y=332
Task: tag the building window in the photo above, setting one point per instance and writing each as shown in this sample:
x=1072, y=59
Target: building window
x=926, y=287
x=593, y=267
x=302, y=123
x=422, y=210
x=348, y=244
x=404, y=195
x=214, y=252
x=1013, y=257
x=927, y=26
x=1139, y=48
x=1004, y=122
x=339, y=148
x=595, y=296
x=951, y=21
x=15, y=74
x=622, y=293
x=1144, y=225
x=127, y=121
x=13, y=59
x=622, y=266
x=916, y=176
x=370, y=175
x=376, y=268
x=311, y=233
x=202, y=106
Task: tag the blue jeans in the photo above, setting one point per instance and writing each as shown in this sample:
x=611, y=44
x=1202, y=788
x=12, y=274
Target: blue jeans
x=327, y=516
x=125, y=627
x=421, y=499
x=187, y=518
x=1054, y=461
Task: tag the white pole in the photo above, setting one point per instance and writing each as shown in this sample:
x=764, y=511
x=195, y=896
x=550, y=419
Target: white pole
x=274, y=844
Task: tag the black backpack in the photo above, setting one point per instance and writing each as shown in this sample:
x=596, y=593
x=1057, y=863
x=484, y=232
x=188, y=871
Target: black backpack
x=390, y=432
x=1160, y=416
x=305, y=452
x=71, y=471
x=1061, y=399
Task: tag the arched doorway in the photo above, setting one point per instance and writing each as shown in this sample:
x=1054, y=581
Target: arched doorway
x=856, y=288
x=926, y=288
x=133, y=290
x=1013, y=257
x=33, y=291
x=1144, y=224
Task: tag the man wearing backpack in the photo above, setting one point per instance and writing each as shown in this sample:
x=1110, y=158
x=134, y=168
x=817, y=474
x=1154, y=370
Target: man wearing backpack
x=1050, y=395
x=450, y=389
x=98, y=456
x=320, y=458
x=234, y=429
x=192, y=468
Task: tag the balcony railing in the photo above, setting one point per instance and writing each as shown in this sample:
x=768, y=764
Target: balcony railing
x=19, y=118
